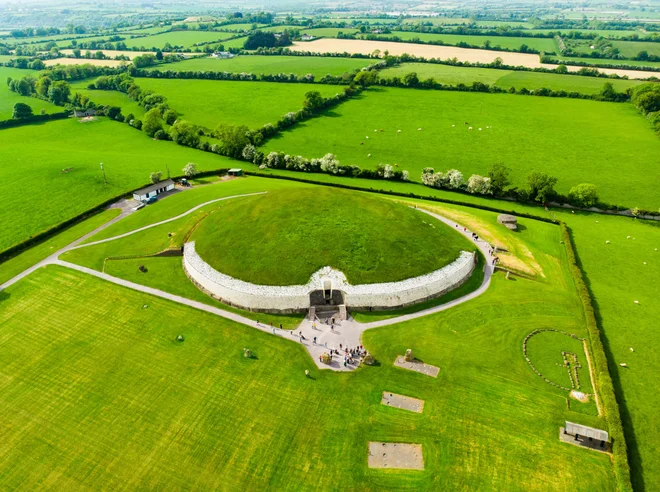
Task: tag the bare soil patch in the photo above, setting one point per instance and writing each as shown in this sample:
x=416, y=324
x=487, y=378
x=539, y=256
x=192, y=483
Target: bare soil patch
x=402, y=402
x=331, y=45
x=396, y=455
x=417, y=366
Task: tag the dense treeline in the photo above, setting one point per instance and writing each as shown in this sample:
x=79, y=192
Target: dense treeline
x=646, y=98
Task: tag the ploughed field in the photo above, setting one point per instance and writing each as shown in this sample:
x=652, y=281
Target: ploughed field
x=131, y=390
x=282, y=238
x=608, y=144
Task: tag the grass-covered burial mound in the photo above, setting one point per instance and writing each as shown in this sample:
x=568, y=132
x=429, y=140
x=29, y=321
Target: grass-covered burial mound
x=283, y=237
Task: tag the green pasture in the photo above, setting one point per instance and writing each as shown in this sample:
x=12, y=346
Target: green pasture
x=32, y=179
x=506, y=79
x=211, y=102
x=239, y=27
x=329, y=32
x=9, y=98
x=627, y=49
x=282, y=238
x=607, y=144
x=113, y=352
x=607, y=61
x=508, y=42
x=299, y=65
x=619, y=273
x=232, y=43
x=185, y=39
x=108, y=98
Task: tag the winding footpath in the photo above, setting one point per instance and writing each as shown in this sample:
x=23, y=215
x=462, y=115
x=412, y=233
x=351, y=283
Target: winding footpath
x=316, y=337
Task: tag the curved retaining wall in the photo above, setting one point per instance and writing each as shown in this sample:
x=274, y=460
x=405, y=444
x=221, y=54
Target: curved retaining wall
x=295, y=298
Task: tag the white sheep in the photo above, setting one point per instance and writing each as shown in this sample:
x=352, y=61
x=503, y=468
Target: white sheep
x=375, y=131
x=479, y=129
x=607, y=242
x=470, y=128
x=368, y=155
x=419, y=129
x=453, y=126
x=398, y=131
x=628, y=237
x=636, y=302
x=623, y=364
x=632, y=349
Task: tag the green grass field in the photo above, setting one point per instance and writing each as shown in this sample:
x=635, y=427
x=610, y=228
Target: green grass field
x=578, y=141
x=282, y=238
x=9, y=98
x=508, y=42
x=239, y=27
x=627, y=49
x=448, y=74
x=132, y=390
x=211, y=102
x=108, y=98
x=329, y=32
x=32, y=180
x=607, y=61
x=185, y=39
x=256, y=64
x=618, y=274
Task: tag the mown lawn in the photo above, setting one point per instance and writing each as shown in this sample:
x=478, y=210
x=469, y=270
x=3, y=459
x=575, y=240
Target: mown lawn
x=9, y=98
x=607, y=144
x=34, y=192
x=299, y=65
x=282, y=238
x=211, y=102
x=506, y=79
x=94, y=371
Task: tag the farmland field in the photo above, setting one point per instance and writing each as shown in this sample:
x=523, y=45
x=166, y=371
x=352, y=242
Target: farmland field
x=256, y=64
x=184, y=39
x=108, y=98
x=448, y=74
x=238, y=27
x=592, y=141
x=211, y=102
x=112, y=332
x=607, y=61
x=35, y=171
x=507, y=42
x=329, y=32
x=9, y=98
x=628, y=49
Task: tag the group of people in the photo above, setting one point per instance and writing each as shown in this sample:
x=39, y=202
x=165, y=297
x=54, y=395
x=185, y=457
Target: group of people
x=349, y=354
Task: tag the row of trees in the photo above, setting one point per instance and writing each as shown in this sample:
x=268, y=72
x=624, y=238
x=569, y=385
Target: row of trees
x=540, y=186
x=44, y=87
x=261, y=39
x=646, y=97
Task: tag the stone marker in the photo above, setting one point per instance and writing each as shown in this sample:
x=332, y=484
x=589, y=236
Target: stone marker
x=409, y=356
x=402, y=402
x=417, y=366
x=396, y=455
x=508, y=221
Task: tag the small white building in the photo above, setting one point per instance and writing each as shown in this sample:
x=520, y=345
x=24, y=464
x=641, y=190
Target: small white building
x=306, y=37
x=154, y=190
x=222, y=54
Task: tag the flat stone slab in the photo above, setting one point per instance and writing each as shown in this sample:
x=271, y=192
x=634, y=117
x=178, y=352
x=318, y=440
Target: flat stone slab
x=417, y=366
x=396, y=455
x=583, y=442
x=402, y=402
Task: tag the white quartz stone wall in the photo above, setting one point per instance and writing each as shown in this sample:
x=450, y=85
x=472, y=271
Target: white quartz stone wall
x=296, y=297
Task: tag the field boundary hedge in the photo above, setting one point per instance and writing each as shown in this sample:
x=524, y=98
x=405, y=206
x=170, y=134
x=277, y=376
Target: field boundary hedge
x=603, y=383
x=35, y=118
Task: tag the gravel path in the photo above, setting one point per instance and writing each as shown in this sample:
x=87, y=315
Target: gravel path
x=347, y=333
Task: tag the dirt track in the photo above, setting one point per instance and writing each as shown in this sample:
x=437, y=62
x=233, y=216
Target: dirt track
x=330, y=45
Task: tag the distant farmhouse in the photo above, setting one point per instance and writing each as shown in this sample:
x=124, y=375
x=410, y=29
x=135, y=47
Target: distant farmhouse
x=306, y=37
x=222, y=54
x=84, y=113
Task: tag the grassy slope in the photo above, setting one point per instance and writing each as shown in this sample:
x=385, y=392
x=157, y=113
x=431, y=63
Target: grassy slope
x=31, y=179
x=617, y=275
x=506, y=78
x=283, y=238
x=211, y=102
x=299, y=65
x=9, y=98
x=578, y=141
x=133, y=392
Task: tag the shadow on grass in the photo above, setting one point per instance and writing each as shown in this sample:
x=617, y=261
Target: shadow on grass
x=4, y=296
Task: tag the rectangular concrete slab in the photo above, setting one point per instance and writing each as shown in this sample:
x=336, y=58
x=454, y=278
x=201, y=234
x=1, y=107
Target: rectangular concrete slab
x=396, y=455
x=417, y=366
x=402, y=402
